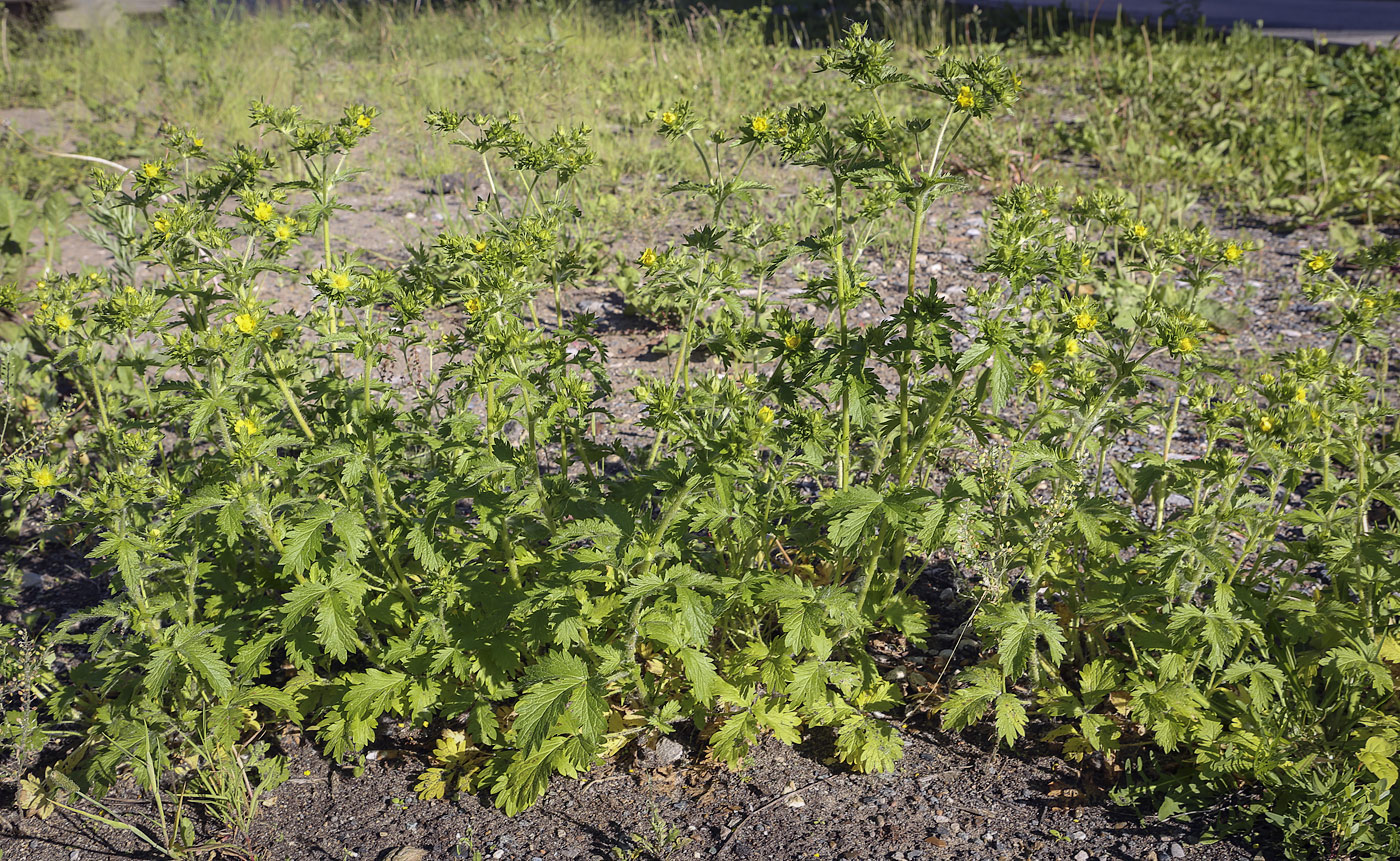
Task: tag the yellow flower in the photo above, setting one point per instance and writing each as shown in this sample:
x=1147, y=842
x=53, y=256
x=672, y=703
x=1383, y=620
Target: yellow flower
x=1085, y=322
x=161, y=224
x=43, y=478
x=478, y=246
x=1267, y=379
x=1233, y=252
x=246, y=427
x=765, y=415
x=1071, y=347
x=1266, y=424
x=363, y=121
x=1187, y=344
x=1037, y=368
x=1140, y=230
x=668, y=118
x=648, y=258
x=792, y=341
x=198, y=143
x=965, y=98
x=263, y=211
x=283, y=233
x=340, y=282
x=63, y=321
x=246, y=323
x=1300, y=395
x=1319, y=264
x=473, y=305
x=759, y=125
x=151, y=170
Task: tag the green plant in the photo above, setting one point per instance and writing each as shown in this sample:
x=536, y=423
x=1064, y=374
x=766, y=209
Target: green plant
x=663, y=841
x=407, y=498
x=169, y=831
x=19, y=219
x=29, y=678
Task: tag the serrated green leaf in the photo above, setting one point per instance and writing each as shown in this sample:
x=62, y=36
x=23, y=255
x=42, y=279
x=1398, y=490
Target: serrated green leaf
x=1011, y=718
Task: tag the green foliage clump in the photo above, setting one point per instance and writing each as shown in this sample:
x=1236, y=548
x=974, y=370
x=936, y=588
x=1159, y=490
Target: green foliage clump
x=400, y=495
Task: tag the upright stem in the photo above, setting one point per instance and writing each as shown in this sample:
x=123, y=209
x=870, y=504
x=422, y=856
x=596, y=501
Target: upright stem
x=904, y=369
x=843, y=454
x=1166, y=453
x=289, y=399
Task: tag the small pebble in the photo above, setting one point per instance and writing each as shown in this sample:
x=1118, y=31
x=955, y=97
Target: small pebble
x=1177, y=851
x=1081, y=855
